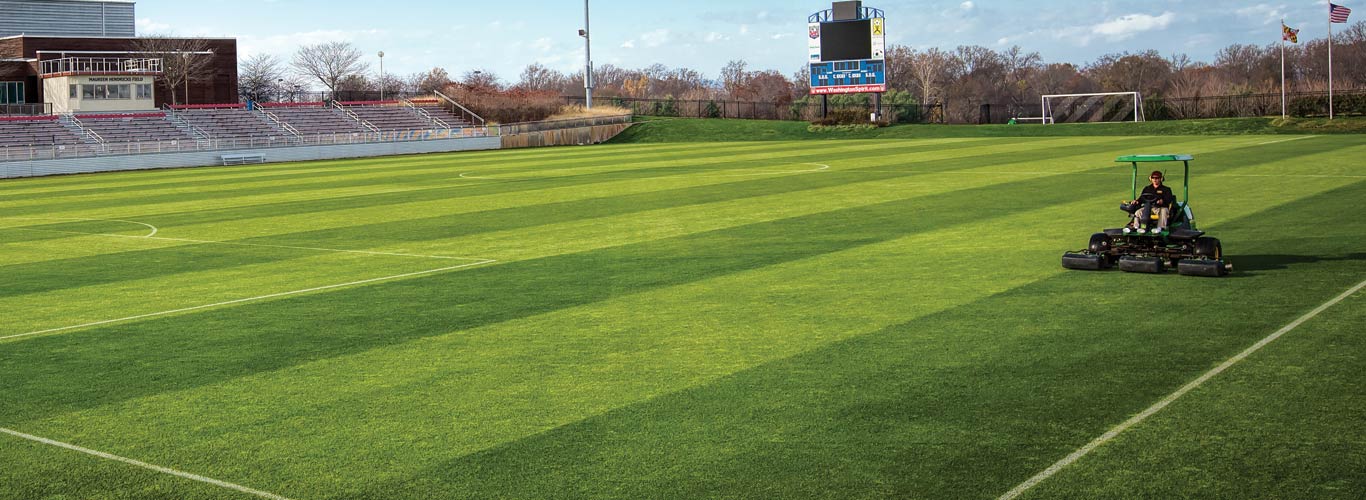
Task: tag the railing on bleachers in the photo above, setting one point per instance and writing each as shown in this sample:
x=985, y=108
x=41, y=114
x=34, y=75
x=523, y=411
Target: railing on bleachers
x=352, y=115
x=466, y=113
x=412, y=106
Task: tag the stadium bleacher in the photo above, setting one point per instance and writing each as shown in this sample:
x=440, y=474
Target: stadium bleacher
x=228, y=121
x=389, y=115
x=185, y=123
x=314, y=118
x=35, y=131
x=117, y=128
x=434, y=108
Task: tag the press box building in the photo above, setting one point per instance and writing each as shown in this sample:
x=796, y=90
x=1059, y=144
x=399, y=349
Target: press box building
x=69, y=56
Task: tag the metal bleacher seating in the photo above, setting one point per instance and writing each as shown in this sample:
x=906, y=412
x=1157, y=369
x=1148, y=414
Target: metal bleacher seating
x=435, y=109
x=117, y=128
x=389, y=115
x=35, y=131
x=315, y=118
x=229, y=122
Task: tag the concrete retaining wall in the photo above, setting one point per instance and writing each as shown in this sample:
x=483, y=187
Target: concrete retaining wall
x=36, y=168
x=564, y=137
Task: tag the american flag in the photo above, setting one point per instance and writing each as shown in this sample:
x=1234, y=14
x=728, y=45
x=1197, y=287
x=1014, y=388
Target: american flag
x=1338, y=13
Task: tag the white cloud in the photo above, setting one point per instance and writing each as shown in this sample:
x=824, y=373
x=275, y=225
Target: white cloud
x=543, y=44
x=1127, y=26
x=1265, y=13
x=655, y=38
x=968, y=5
x=714, y=37
x=286, y=45
x=146, y=26
x=629, y=44
x=744, y=29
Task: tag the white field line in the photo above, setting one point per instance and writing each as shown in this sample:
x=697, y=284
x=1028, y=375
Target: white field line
x=148, y=226
x=145, y=465
x=250, y=299
x=1136, y=419
x=1287, y=140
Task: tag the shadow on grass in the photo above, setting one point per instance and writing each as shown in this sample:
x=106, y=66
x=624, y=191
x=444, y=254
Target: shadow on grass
x=1254, y=263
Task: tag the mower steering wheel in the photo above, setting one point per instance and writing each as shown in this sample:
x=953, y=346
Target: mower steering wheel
x=1147, y=198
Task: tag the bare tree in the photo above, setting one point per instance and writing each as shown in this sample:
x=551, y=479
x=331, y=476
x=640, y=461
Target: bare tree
x=900, y=67
x=182, y=59
x=733, y=76
x=260, y=77
x=329, y=62
x=537, y=77
x=930, y=72
x=431, y=81
x=481, y=81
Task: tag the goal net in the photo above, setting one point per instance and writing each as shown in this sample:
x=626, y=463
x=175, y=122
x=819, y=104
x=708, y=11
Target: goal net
x=1100, y=107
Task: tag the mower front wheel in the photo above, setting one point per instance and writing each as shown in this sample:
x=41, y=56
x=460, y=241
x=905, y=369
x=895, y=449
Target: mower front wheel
x=1209, y=248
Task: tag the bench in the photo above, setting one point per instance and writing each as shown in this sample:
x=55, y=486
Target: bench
x=243, y=159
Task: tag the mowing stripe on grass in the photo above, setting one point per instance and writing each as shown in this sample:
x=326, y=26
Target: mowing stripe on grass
x=145, y=465
x=250, y=299
x=234, y=243
x=149, y=226
x=1136, y=419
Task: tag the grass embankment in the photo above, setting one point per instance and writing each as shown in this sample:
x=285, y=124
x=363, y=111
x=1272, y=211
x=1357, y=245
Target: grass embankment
x=652, y=129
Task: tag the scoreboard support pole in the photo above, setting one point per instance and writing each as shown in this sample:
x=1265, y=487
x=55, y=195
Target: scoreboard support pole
x=825, y=106
x=877, y=106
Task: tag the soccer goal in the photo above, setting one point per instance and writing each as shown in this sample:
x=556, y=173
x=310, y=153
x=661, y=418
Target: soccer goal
x=1098, y=107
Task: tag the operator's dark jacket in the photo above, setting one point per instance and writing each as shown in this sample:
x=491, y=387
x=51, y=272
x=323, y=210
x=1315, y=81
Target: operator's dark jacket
x=1163, y=193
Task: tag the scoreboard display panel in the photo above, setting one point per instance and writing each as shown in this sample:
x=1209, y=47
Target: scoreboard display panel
x=846, y=41
x=848, y=57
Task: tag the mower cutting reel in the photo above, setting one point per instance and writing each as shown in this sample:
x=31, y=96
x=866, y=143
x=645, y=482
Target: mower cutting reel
x=1143, y=247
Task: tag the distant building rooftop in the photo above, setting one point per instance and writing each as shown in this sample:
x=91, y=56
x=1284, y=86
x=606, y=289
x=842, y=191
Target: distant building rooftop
x=114, y=18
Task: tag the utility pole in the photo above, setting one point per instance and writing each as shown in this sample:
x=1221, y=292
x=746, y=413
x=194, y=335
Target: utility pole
x=381, y=75
x=588, y=56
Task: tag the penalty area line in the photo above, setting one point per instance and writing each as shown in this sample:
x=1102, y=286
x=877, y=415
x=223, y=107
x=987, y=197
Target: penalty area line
x=145, y=465
x=1157, y=407
x=1286, y=140
x=249, y=299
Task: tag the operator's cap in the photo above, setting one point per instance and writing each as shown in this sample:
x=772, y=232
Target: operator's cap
x=1157, y=174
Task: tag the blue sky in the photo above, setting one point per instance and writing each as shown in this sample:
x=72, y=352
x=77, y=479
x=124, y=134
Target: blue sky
x=504, y=37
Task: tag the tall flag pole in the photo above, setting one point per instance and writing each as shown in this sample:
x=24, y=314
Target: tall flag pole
x=1293, y=35
x=1336, y=14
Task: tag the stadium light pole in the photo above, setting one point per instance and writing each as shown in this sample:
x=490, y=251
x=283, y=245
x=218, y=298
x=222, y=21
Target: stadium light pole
x=588, y=58
x=381, y=75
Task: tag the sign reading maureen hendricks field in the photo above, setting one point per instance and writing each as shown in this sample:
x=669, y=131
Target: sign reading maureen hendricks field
x=847, y=52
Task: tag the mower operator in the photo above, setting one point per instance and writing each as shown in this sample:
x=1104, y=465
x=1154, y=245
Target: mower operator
x=1156, y=198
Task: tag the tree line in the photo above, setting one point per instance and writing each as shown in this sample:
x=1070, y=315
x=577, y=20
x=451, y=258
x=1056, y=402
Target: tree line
x=957, y=80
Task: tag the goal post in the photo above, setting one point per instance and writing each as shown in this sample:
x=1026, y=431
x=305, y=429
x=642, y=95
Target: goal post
x=1093, y=107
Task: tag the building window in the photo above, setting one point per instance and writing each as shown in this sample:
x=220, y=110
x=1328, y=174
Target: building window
x=104, y=92
x=75, y=91
x=12, y=93
x=144, y=91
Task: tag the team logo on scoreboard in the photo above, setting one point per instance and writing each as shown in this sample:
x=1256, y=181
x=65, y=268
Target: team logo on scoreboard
x=814, y=31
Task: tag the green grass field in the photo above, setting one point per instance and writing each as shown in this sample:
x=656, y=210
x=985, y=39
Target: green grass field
x=782, y=319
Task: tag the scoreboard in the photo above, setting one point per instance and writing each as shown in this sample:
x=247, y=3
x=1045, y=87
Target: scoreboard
x=847, y=56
